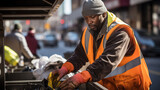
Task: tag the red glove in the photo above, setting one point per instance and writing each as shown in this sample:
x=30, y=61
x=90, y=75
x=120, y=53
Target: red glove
x=58, y=74
x=65, y=69
x=75, y=80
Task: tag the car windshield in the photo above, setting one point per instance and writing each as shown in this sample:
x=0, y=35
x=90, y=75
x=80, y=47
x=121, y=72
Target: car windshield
x=143, y=38
x=142, y=33
x=72, y=36
x=50, y=37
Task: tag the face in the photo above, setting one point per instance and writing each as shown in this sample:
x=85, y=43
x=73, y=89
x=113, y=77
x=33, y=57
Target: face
x=95, y=21
x=33, y=31
x=20, y=30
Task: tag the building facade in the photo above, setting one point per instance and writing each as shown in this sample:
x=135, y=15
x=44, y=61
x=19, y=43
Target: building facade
x=139, y=14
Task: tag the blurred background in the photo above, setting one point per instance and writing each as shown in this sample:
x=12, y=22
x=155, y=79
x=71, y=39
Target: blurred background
x=60, y=33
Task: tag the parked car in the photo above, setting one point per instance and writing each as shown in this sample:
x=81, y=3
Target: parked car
x=71, y=39
x=50, y=40
x=146, y=43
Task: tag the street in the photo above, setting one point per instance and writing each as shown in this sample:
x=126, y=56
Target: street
x=154, y=69
x=153, y=63
x=60, y=49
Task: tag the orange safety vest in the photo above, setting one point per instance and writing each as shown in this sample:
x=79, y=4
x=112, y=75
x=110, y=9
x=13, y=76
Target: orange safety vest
x=132, y=72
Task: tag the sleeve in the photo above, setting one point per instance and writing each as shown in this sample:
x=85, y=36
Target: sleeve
x=116, y=48
x=79, y=58
x=25, y=48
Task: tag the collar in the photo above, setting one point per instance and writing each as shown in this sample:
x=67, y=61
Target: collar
x=15, y=31
x=30, y=34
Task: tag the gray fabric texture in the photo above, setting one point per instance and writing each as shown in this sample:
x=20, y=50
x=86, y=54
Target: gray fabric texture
x=17, y=42
x=93, y=7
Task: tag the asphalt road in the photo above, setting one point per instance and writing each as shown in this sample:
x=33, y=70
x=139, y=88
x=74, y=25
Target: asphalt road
x=153, y=63
x=60, y=49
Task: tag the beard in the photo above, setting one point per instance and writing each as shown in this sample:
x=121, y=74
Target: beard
x=93, y=27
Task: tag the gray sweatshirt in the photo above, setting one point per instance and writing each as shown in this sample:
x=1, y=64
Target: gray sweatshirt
x=17, y=42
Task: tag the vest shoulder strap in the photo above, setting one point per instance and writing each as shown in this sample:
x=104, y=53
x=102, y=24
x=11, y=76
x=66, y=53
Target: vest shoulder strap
x=85, y=39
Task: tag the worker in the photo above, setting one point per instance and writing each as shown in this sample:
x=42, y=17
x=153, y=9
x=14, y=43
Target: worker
x=17, y=42
x=109, y=45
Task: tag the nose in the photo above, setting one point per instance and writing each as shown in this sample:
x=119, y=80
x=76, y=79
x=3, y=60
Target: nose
x=90, y=21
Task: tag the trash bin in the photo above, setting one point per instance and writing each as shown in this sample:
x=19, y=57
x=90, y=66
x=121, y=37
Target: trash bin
x=26, y=81
x=22, y=81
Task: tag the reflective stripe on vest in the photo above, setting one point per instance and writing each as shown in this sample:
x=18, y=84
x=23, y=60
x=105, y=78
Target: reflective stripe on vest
x=126, y=67
x=87, y=35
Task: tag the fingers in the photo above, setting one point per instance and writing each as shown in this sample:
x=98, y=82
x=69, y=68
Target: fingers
x=67, y=85
x=63, y=84
x=55, y=79
x=54, y=83
x=57, y=75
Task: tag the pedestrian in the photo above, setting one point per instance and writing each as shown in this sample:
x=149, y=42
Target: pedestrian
x=109, y=45
x=32, y=42
x=17, y=42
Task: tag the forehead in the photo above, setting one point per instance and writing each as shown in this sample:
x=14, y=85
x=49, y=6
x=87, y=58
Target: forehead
x=93, y=15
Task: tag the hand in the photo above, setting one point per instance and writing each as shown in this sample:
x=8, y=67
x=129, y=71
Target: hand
x=72, y=82
x=61, y=72
x=55, y=76
x=65, y=69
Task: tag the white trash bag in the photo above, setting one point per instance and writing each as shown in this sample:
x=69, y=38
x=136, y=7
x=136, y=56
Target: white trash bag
x=45, y=65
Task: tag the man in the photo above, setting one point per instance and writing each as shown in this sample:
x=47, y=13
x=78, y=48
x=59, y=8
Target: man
x=32, y=42
x=17, y=42
x=110, y=47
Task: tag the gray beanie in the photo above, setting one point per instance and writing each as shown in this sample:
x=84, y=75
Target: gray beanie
x=17, y=26
x=93, y=7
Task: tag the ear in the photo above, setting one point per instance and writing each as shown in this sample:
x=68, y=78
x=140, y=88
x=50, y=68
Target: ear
x=104, y=15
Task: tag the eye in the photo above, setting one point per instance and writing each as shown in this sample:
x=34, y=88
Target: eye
x=93, y=16
x=85, y=18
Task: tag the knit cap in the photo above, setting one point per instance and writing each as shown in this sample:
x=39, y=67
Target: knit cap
x=17, y=26
x=93, y=7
